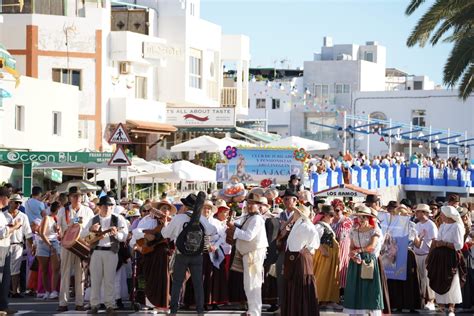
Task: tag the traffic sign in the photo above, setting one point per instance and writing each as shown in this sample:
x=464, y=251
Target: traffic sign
x=119, y=158
x=120, y=136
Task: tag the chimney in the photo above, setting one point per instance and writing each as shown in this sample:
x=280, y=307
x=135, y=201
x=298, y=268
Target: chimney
x=327, y=41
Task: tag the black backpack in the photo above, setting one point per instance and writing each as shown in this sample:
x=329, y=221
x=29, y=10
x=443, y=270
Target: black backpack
x=190, y=241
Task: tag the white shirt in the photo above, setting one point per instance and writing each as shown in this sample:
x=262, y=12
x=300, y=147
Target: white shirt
x=303, y=235
x=428, y=231
x=218, y=238
x=24, y=232
x=104, y=225
x=452, y=233
x=175, y=227
x=221, y=231
x=147, y=222
x=84, y=212
x=252, y=235
x=4, y=231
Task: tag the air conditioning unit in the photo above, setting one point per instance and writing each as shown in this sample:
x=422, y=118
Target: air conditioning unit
x=124, y=68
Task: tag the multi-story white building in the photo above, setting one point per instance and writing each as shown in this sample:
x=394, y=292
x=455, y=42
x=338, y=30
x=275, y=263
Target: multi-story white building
x=131, y=60
x=397, y=80
x=440, y=109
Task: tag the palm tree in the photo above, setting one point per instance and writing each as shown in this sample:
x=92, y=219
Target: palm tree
x=453, y=22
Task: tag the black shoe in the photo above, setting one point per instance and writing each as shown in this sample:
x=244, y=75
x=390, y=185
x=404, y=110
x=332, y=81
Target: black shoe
x=62, y=308
x=17, y=295
x=272, y=308
x=94, y=310
x=119, y=304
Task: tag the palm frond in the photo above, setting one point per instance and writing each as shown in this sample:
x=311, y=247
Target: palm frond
x=428, y=22
x=414, y=4
x=467, y=83
x=461, y=57
x=460, y=21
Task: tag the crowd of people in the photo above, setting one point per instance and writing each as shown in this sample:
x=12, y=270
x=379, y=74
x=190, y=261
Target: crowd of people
x=344, y=160
x=282, y=248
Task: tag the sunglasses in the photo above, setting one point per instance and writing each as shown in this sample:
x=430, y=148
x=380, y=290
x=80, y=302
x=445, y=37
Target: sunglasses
x=17, y=202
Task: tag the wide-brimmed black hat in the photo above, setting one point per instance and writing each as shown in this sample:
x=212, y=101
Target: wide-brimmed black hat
x=289, y=193
x=106, y=200
x=407, y=203
x=294, y=177
x=190, y=200
x=371, y=198
x=74, y=191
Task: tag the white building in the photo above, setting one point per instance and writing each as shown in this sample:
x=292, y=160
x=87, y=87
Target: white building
x=130, y=62
x=440, y=109
x=397, y=80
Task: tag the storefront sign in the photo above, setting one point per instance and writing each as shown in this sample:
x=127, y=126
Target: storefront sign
x=160, y=50
x=201, y=117
x=25, y=157
x=252, y=165
x=54, y=175
x=394, y=250
x=340, y=193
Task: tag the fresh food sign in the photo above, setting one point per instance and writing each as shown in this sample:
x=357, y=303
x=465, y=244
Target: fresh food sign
x=201, y=117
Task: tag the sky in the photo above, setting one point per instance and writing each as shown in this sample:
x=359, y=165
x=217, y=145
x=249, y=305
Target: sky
x=294, y=30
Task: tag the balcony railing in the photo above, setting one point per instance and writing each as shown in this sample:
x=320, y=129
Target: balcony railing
x=132, y=20
x=229, y=97
x=49, y=7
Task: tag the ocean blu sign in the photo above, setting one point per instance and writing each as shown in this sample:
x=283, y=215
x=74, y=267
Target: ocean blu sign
x=256, y=164
x=22, y=157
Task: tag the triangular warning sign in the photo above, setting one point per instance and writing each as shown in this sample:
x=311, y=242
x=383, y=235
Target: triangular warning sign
x=120, y=136
x=119, y=158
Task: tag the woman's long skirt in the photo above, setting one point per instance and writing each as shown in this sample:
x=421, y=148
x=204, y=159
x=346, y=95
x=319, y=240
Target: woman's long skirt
x=157, y=277
x=301, y=298
x=326, y=272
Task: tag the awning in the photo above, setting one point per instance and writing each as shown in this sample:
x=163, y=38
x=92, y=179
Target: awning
x=258, y=135
x=150, y=127
x=344, y=190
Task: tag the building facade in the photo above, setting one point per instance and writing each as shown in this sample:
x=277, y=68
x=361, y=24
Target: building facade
x=131, y=60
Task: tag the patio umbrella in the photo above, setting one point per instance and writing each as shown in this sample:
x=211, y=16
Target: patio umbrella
x=201, y=144
x=300, y=142
x=187, y=171
x=83, y=185
x=237, y=142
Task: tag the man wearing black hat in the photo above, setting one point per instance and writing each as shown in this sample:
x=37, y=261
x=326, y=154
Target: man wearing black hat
x=294, y=184
x=72, y=213
x=104, y=256
x=182, y=262
x=290, y=199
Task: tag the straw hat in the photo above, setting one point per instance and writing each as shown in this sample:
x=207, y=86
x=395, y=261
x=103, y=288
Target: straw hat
x=423, y=208
x=159, y=204
x=208, y=203
x=222, y=204
x=363, y=210
x=303, y=210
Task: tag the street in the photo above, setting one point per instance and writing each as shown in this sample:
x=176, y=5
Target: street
x=31, y=306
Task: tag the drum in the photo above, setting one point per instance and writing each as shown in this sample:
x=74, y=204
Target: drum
x=72, y=242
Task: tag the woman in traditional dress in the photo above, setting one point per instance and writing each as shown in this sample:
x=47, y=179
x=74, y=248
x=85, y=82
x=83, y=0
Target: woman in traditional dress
x=220, y=270
x=342, y=226
x=155, y=263
x=404, y=294
x=300, y=297
x=363, y=292
x=326, y=260
x=444, y=260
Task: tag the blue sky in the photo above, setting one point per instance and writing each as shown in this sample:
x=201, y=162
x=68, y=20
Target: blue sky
x=294, y=29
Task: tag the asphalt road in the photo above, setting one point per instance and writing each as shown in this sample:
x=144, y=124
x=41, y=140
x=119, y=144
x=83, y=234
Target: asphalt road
x=31, y=306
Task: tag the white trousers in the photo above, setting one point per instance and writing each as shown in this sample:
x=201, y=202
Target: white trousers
x=426, y=292
x=253, y=279
x=102, y=268
x=71, y=263
x=16, y=256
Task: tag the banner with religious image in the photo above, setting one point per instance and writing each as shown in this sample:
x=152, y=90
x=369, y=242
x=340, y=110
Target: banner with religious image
x=394, y=250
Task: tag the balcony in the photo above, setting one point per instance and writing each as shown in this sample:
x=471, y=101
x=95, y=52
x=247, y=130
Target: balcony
x=48, y=7
x=132, y=20
x=229, y=97
x=130, y=109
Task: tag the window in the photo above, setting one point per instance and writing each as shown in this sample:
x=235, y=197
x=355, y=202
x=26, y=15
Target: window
x=275, y=104
x=68, y=76
x=417, y=85
x=195, y=68
x=20, y=118
x=83, y=130
x=342, y=88
x=140, y=87
x=191, y=8
x=321, y=91
x=57, y=123
x=261, y=104
x=418, y=117
x=369, y=56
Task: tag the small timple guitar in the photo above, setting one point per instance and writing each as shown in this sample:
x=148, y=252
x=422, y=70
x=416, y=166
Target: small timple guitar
x=94, y=237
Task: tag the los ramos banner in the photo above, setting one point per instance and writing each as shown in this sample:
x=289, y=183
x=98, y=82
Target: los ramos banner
x=252, y=165
x=394, y=250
